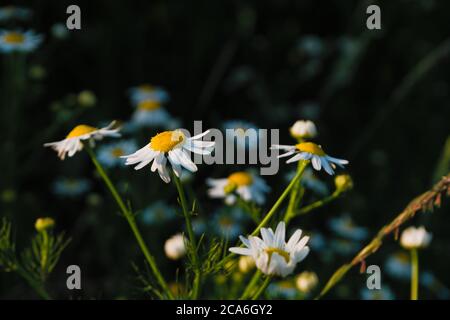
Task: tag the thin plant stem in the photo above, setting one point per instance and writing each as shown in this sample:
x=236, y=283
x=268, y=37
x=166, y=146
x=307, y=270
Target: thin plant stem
x=38, y=287
x=262, y=288
x=318, y=203
x=414, y=274
x=190, y=231
x=281, y=198
x=294, y=198
x=427, y=201
x=274, y=208
x=129, y=216
x=249, y=289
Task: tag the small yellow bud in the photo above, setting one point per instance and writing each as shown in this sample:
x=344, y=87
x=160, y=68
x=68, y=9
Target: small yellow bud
x=343, y=182
x=43, y=224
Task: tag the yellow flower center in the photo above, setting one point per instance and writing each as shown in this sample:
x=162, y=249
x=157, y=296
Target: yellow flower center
x=149, y=105
x=80, y=130
x=310, y=147
x=146, y=87
x=240, y=179
x=14, y=38
x=167, y=140
x=282, y=253
x=117, y=152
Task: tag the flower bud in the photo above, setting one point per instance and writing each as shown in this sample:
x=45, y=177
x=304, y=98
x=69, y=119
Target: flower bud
x=343, y=182
x=415, y=238
x=175, y=247
x=43, y=224
x=306, y=281
x=303, y=129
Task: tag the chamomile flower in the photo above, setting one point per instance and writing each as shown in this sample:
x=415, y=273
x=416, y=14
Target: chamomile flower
x=173, y=146
x=415, y=238
x=109, y=154
x=157, y=213
x=313, y=152
x=245, y=133
x=71, y=187
x=73, y=141
x=150, y=113
x=344, y=226
x=303, y=129
x=175, y=247
x=246, y=184
x=13, y=12
x=385, y=293
x=18, y=41
x=148, y=92
x=272, y=255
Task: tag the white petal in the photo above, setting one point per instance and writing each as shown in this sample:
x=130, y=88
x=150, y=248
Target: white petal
x=199, y=135
x=185, y=161
x=316, y=163
x=242, y=251
x=293, y=240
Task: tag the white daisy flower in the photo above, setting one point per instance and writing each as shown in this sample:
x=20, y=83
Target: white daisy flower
x=248, y=185
x=313, y=152
x=150, y=113
x=148, y=92
x=303, y=129
x=175, y=247
x=415, y=238
x=172, y=145
x=272, y=255
x=18, y=41
x=73, y=141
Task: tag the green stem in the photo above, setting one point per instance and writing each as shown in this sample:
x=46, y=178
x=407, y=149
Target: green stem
x=193, y=243
x=131, y=221
x=281, y=198
x=44, y=253
x=262, y=288
x=414, y=274
x=38, y=287
x=273, y=209
x=318, y=203
x=249, y=289
x=294, y=199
